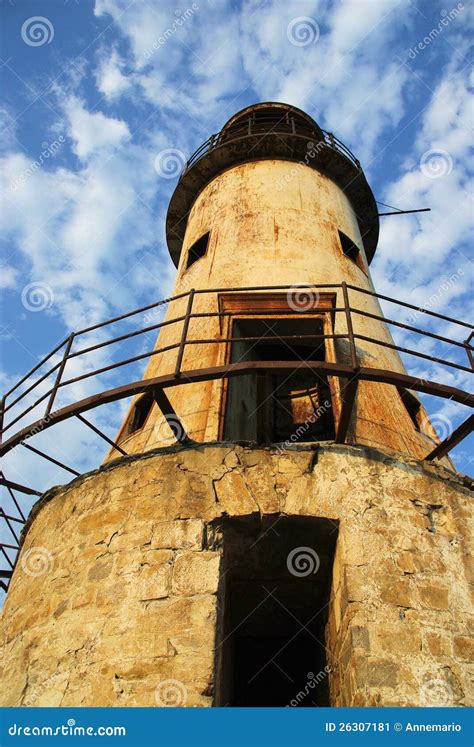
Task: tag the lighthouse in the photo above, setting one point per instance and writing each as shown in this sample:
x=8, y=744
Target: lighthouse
x=277, y=521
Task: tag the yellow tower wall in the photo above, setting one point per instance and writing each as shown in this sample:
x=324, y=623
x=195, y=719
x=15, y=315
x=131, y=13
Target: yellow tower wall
x=275, y=222
x=121, y=608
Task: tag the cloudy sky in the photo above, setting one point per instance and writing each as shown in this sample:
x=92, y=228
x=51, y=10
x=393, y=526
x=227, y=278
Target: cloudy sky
x=95, y=91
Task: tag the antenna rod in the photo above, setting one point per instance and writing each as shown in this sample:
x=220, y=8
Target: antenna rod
x=404, y=212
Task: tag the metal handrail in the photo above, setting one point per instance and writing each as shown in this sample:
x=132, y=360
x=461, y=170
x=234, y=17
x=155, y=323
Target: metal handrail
x=351, y=374
x=246, y=128
x=188, y=316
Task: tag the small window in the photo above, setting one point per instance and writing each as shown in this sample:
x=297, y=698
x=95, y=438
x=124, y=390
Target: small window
x=138, y=415
x=412, y=406
x=197, y=250
x=351, y=250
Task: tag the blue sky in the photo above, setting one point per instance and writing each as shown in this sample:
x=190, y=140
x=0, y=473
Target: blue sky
x=94, y=95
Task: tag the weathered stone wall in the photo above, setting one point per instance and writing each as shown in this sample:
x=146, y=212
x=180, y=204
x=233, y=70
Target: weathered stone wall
x=113, y=600
x=262, y=235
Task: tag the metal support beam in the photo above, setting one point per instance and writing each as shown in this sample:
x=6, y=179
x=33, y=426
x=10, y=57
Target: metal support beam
x=348, y=399
x=51, y=459
x=12, y=496
x=99, y=433
x=170, y=415
x=16, y=486
x=449, y=443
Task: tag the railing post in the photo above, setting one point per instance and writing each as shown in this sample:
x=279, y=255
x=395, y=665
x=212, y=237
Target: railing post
x=350, y=330
x=184, y=333
x=349, y=391
x=467, y=347
x=2, y=412
x=67, y=350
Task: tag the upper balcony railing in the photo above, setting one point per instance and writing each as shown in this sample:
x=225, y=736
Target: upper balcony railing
x=265, y=126
x=31, y=405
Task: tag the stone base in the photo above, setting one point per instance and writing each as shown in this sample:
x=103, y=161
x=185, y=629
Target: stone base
x=114, y=599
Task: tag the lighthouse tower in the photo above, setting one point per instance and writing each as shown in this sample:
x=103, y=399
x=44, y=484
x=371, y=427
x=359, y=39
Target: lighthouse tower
x=275, y=534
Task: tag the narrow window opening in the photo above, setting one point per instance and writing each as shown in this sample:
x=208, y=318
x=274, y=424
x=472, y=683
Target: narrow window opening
x=273, y=408
x=273, y=612
x=351, y=250
x=138, y=415
x=413, y=407
x=197, y=250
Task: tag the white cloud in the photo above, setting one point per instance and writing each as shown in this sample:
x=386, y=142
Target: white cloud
x=109, y=76
x=93, y=131
x=8, y=276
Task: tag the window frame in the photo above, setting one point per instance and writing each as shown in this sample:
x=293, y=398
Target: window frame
x=234, y=305
x=348, y=245
x=126, y=429
x=190, y=261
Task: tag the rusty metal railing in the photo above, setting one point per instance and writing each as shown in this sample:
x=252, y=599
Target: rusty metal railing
x=30, y=403
x=248, y=127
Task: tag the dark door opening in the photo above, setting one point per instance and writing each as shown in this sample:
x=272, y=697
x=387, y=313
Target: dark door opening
x=272, y=408
x=276, y=582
